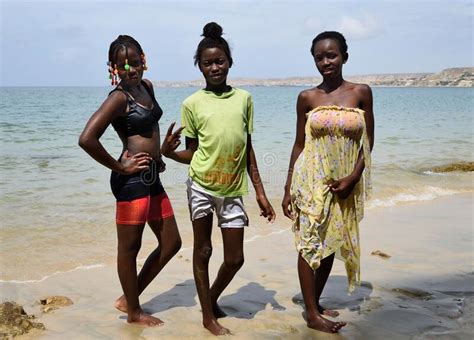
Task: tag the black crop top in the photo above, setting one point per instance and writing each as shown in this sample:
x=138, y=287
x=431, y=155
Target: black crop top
x=139, y=120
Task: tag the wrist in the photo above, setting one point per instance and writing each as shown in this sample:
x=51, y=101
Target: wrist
x=355, y=177
x=121, y=169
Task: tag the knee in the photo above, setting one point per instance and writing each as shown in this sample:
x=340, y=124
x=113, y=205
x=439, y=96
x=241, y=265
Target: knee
x=177, y=245
x=204, y=252
x=128, y=248
x=234, y=262
x=173, y=247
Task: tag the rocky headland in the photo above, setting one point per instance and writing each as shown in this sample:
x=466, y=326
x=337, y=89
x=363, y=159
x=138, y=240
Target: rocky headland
x=451, y=77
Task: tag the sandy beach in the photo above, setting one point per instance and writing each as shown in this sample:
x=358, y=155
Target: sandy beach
x=423, y=291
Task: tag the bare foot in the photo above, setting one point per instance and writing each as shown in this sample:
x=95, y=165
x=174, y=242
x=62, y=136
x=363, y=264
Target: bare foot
x=121, y=304
x=143, y=319
x=328, y=312
x=319, y=323
x=215, y=328
x=218, y=312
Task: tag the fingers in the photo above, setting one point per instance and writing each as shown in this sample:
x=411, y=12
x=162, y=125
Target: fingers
x=288, y=213
x=271, y=215
x=268, y=213
x=178, y=131
x=125, y=154
x=286, y=207
x=334, y=186
x=141, y=155
x=170, y=129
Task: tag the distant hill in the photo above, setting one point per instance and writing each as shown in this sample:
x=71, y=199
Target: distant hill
x=451, y=77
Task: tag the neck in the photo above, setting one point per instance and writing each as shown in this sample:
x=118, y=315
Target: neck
x=128, y=87
x=329, y=85
x=220, y=88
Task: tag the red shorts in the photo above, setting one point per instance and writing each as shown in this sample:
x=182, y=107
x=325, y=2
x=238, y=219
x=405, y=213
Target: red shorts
x=143, y=209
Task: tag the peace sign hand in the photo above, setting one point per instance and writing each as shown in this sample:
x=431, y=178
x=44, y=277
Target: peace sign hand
x=171, y=140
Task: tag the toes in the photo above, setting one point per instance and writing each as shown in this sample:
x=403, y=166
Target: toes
x=337, y=326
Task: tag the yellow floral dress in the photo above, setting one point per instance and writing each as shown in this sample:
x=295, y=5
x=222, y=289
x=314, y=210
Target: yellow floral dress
x=324, y=223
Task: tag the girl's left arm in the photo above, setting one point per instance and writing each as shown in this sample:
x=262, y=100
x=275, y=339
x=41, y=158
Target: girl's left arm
x=266, y=209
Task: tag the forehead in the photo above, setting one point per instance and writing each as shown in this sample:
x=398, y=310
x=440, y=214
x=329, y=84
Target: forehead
x=213, y=53
x=326, y=45
x=131, y=52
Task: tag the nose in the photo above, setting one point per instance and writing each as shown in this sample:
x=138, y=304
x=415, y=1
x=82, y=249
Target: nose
x=214, y=67
x=132, y=70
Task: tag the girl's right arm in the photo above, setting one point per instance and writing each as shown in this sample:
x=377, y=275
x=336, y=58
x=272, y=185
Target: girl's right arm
x=301, y=108
x=171, y=143
x=114, y=106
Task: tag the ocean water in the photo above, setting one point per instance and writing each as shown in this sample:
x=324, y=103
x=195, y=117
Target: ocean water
x=58, y=213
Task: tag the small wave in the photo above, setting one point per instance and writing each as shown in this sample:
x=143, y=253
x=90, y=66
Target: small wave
x=256, y=237
x=432, y=173
x=426, y=194
x=93, y=266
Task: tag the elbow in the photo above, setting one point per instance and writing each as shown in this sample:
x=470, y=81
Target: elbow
x=84, y=142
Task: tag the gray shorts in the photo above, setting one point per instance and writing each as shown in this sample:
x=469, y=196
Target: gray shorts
x=230, y=211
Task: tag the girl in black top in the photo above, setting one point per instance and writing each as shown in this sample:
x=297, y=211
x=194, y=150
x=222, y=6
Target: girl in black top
x=134, y=113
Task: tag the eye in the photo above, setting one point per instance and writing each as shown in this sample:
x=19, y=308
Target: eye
x=135, y=63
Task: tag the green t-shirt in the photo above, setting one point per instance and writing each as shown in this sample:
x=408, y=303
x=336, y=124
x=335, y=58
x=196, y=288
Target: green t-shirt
x=221, y=123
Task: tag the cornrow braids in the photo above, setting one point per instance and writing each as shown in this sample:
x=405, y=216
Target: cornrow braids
x=123, y=42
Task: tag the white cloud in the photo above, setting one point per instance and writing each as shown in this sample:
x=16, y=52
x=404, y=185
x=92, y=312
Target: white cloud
x=359, y=28
x=313, y=24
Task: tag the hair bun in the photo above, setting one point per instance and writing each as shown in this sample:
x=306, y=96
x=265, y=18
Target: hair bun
x=212, y=30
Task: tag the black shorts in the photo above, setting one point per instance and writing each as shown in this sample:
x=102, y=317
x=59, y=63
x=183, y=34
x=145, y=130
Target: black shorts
x=137, y=185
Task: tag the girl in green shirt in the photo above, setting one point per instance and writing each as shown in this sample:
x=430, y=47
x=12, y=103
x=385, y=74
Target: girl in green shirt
x=217, y=123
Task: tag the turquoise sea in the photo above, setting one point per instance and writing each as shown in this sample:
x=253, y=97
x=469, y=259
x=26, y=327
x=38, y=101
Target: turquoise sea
x=58, y=212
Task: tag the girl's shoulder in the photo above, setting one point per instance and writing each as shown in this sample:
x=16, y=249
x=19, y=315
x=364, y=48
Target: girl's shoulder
x=242, y=92
x=357, y=87
x=194, y=98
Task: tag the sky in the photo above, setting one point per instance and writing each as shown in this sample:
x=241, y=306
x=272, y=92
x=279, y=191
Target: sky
x=65, y=43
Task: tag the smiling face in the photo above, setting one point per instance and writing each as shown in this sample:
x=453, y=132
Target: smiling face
x=214, y=66
x=134, y=74
x=329, y=58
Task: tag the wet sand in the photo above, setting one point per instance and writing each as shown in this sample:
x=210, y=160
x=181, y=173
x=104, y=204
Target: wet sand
x=425, y=290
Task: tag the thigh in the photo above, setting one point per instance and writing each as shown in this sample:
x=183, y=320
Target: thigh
x=202, y=231
x=165, y=230
x=129, y=236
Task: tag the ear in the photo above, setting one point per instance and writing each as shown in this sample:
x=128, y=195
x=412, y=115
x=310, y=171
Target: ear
x=346, y=57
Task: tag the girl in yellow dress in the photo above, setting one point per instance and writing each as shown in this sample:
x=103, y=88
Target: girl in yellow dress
x=329, y=175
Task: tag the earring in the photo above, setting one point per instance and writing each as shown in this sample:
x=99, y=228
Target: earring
x=113, y=73
x=144, y=63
